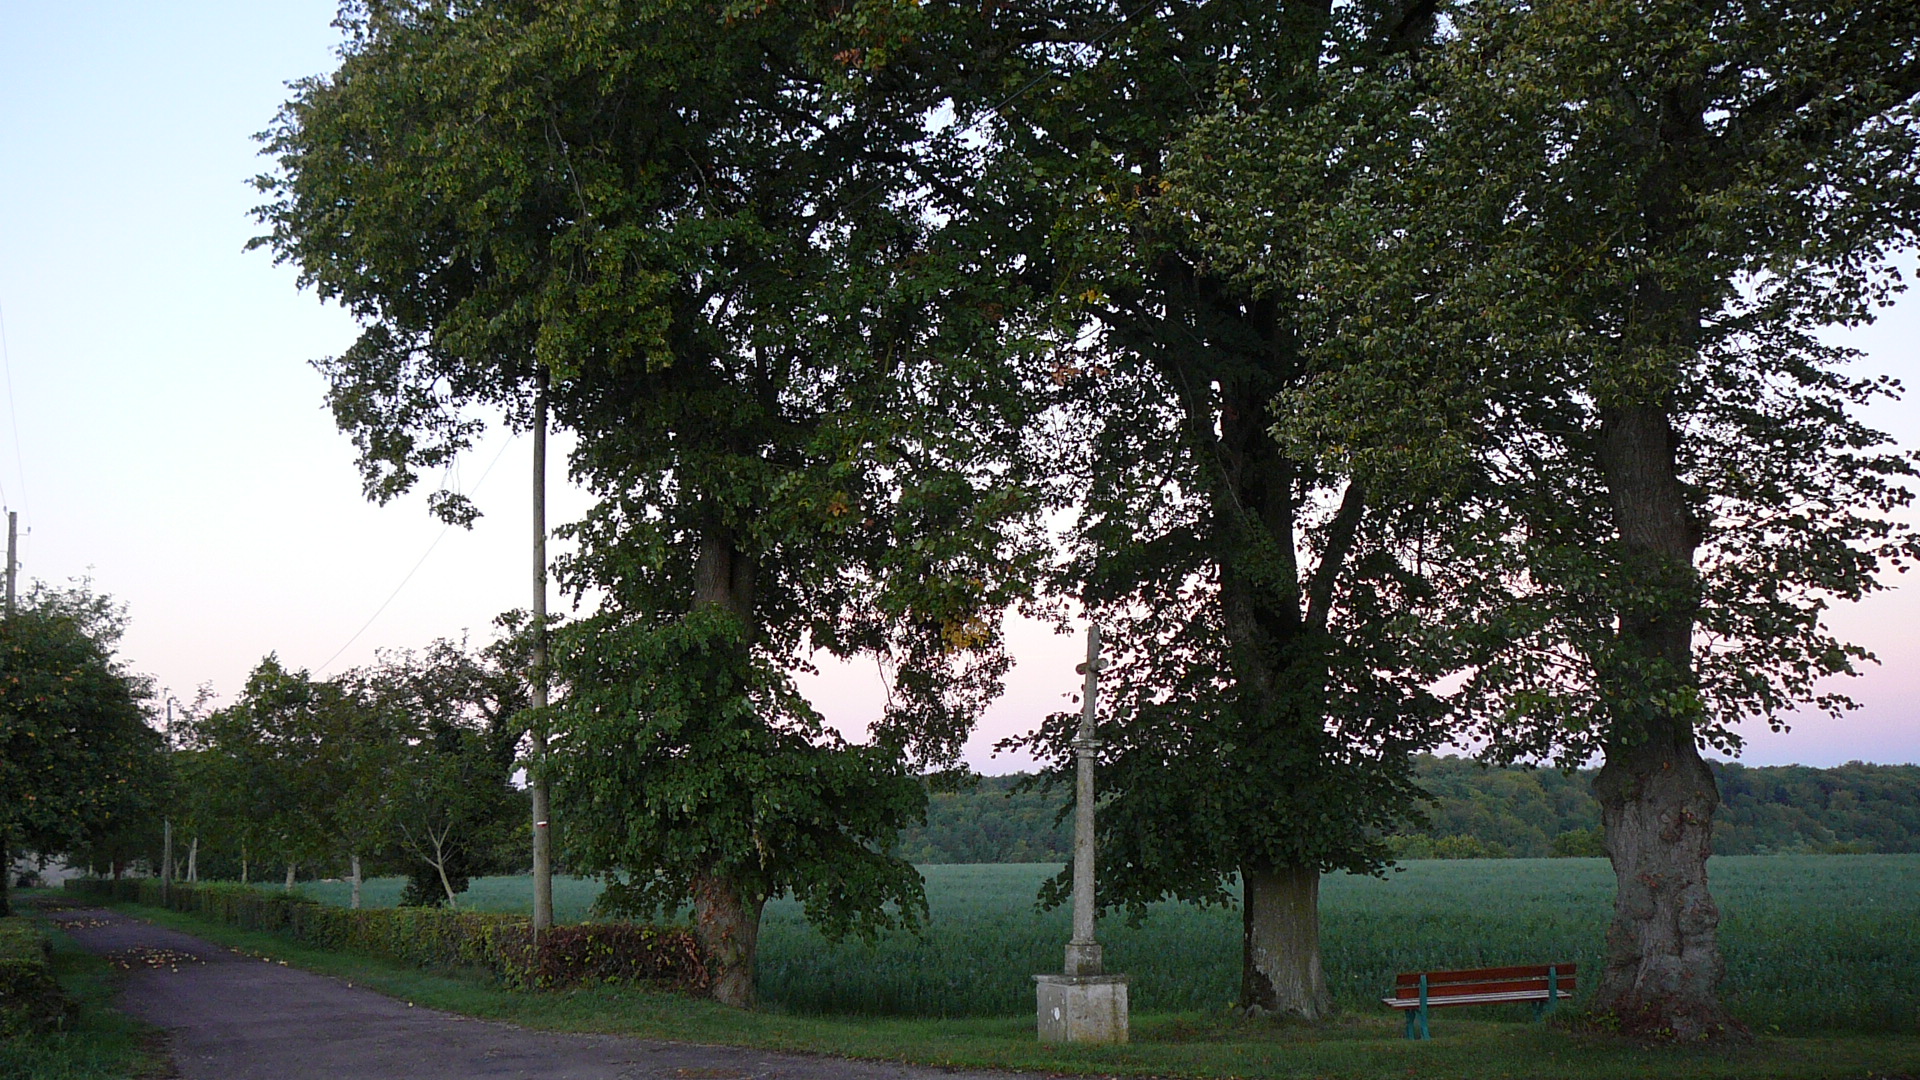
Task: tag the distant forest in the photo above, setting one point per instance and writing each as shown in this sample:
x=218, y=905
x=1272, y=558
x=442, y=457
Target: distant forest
x=1482, y=812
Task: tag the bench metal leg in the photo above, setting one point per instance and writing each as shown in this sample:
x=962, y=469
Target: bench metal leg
x=1417, y=1018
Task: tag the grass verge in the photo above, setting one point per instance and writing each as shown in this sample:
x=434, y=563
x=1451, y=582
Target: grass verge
x=101, y=1043
x=1357, y=1046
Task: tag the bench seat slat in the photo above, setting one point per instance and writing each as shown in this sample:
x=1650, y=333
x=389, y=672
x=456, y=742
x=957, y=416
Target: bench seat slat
x=1470, y=999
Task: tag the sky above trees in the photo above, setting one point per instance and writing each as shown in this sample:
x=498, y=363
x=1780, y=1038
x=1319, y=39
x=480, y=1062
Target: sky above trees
x=165, y=434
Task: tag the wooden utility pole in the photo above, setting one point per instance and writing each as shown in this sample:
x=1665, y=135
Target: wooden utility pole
x=13, y=556
x=166, y=829
x=537, y=771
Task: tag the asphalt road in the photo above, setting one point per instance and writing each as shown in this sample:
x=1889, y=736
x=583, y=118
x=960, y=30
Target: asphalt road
x=235, y=1017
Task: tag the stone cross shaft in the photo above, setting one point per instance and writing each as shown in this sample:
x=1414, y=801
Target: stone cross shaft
x=1083, y=952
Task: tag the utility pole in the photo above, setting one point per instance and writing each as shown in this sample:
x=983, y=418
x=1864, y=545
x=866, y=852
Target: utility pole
x=1085, y=1004
x=13, y=556
x=537, y=772
x=166, y=830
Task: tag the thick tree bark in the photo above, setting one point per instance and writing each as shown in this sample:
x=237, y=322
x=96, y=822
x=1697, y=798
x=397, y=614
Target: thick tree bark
x=1663, y=957
x=355, y=860
x=1657, y=797
x=1280, y=968
x=290, y=869
x=727, y=925
x=193, y=861
x=726, y=921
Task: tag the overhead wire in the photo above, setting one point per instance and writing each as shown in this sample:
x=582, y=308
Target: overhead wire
x=418, y=563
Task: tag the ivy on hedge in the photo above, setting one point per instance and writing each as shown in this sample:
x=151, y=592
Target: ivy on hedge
x=30, y=997
x=586, y=953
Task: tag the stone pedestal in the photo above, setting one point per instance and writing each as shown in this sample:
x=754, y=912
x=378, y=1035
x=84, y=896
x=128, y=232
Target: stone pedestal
x=1082, y=1008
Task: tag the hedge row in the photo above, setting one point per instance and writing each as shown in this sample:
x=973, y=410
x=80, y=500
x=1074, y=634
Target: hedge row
x=625, y=953
x=30, y=997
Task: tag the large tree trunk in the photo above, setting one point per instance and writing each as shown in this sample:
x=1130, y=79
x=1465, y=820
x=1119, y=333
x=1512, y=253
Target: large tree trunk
x=355, y=860
x=726, y=922
x=193, y=861
x=1663, y=957
x=290, y=869
x=727, y=926
x=1280, y=968
x=1656, y=795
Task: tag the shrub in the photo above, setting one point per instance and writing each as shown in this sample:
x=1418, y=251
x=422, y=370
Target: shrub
x=1580, y=844
x=30, y=998
x=627, y=953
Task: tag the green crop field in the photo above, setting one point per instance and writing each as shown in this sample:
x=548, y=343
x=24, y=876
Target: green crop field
x=1813, y=942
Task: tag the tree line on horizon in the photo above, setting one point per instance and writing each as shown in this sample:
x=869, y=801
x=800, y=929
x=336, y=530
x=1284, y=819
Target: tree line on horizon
x=1378, y=376
x=1480, y=812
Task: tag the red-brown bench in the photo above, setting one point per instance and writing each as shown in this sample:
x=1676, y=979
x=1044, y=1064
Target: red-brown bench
x=1415, y=992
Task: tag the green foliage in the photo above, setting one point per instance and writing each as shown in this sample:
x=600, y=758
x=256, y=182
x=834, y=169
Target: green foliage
x=1264, y=611
x=997, y=819
x=720, y=245
x=93, y=1040
x=31, y=999
x=436, y=793
x=78, y=763
x=1598, y=218
x=504, y=945
x=722, y=770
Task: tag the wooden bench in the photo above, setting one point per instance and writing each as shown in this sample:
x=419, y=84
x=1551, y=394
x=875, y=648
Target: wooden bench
x=1415, y=992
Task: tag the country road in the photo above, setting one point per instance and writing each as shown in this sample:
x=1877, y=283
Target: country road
x=230, y=1016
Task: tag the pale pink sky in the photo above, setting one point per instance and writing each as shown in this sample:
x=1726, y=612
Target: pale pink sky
x=165, y=435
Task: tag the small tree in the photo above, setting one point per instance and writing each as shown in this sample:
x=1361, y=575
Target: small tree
x=440, y=795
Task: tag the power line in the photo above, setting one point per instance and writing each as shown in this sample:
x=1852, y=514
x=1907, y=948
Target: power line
x=445, y=529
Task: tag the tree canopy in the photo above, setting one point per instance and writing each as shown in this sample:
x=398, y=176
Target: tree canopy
x=1593, y=282
x=722, y=239
x=77, y=757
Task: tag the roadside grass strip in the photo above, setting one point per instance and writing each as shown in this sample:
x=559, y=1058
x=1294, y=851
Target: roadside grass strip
x=1357, y=1045
x=95, y=1041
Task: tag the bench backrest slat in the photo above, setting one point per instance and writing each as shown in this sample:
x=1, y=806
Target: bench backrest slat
x=1532, y=979
x=1525, y=986
x=1531, y=971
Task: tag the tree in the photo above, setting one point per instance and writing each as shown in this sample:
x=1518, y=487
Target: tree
x=440, y=790
x=720, y=235
x=78, y=761
x=1592, y=309
x=284, y=756
x=1264, y=608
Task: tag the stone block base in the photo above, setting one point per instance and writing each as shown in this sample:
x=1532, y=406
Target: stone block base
x=1082, y=1008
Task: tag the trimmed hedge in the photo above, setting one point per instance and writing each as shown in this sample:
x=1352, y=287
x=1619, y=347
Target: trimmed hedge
x=30, y=997
x=626, y=953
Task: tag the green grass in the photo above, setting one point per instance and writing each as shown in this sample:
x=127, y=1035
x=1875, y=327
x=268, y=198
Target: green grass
x=101, y=1043
x=1813, y=943
x=1200, y=1045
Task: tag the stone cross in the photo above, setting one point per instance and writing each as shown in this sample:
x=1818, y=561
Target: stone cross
x=1083, y=952
x=1085, y=1004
